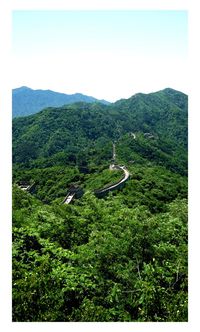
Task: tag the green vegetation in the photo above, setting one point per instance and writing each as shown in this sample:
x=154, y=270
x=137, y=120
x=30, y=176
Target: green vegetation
x=26, y=101
x=98, y=260
x=119, y=258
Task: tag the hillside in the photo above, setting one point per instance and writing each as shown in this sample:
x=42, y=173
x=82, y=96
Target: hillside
x=26, y=101
x=76, y=132
x=119, y=258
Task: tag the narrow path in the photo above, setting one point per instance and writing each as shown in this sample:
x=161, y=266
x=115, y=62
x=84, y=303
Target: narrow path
x=103, y=191
x=114, y=151
x=117, y=185
x=68, y=198
x=133, y=135
x=78, y=192
x=25, y=186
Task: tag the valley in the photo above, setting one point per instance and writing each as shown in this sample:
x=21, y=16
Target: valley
x=102, y=234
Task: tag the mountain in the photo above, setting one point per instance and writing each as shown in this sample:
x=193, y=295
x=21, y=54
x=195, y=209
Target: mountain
x=72, y=129
x=118, y=258
x=26, y=101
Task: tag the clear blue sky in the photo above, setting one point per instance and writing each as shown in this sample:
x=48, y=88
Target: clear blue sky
x=107, y=54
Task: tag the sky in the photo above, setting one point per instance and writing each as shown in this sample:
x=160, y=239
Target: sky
x=150, y=53
x=106, y=54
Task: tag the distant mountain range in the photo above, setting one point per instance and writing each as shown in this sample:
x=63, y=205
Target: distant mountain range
x=26, y=101
x=79, y=129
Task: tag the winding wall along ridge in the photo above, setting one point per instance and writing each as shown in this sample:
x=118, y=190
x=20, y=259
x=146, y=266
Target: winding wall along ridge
x=103, y=191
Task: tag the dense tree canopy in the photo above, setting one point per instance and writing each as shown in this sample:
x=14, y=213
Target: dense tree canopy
x=119, y=258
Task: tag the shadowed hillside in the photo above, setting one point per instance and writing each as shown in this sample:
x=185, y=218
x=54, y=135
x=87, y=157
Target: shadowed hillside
x=26, y=101
x=115, y=258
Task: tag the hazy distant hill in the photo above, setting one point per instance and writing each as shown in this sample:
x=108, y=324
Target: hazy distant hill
x=81, y=127
x=26, y=101
x=119, y=258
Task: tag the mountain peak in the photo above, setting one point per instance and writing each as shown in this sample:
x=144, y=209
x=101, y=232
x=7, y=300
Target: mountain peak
x=28, y=101
x=22, y=89
x=171, y=91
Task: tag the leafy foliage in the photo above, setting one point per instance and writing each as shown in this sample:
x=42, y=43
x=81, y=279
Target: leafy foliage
x=81, y=133
x=119, y=258
x=26, y=101
x=99, y=261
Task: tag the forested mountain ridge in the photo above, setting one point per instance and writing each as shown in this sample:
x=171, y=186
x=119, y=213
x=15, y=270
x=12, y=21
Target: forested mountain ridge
x=26, y=101
x=164, y=111
x=75, y=131
x=119, y=258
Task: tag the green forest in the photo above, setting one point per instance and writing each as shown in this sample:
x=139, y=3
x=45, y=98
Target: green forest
x=120, y=258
